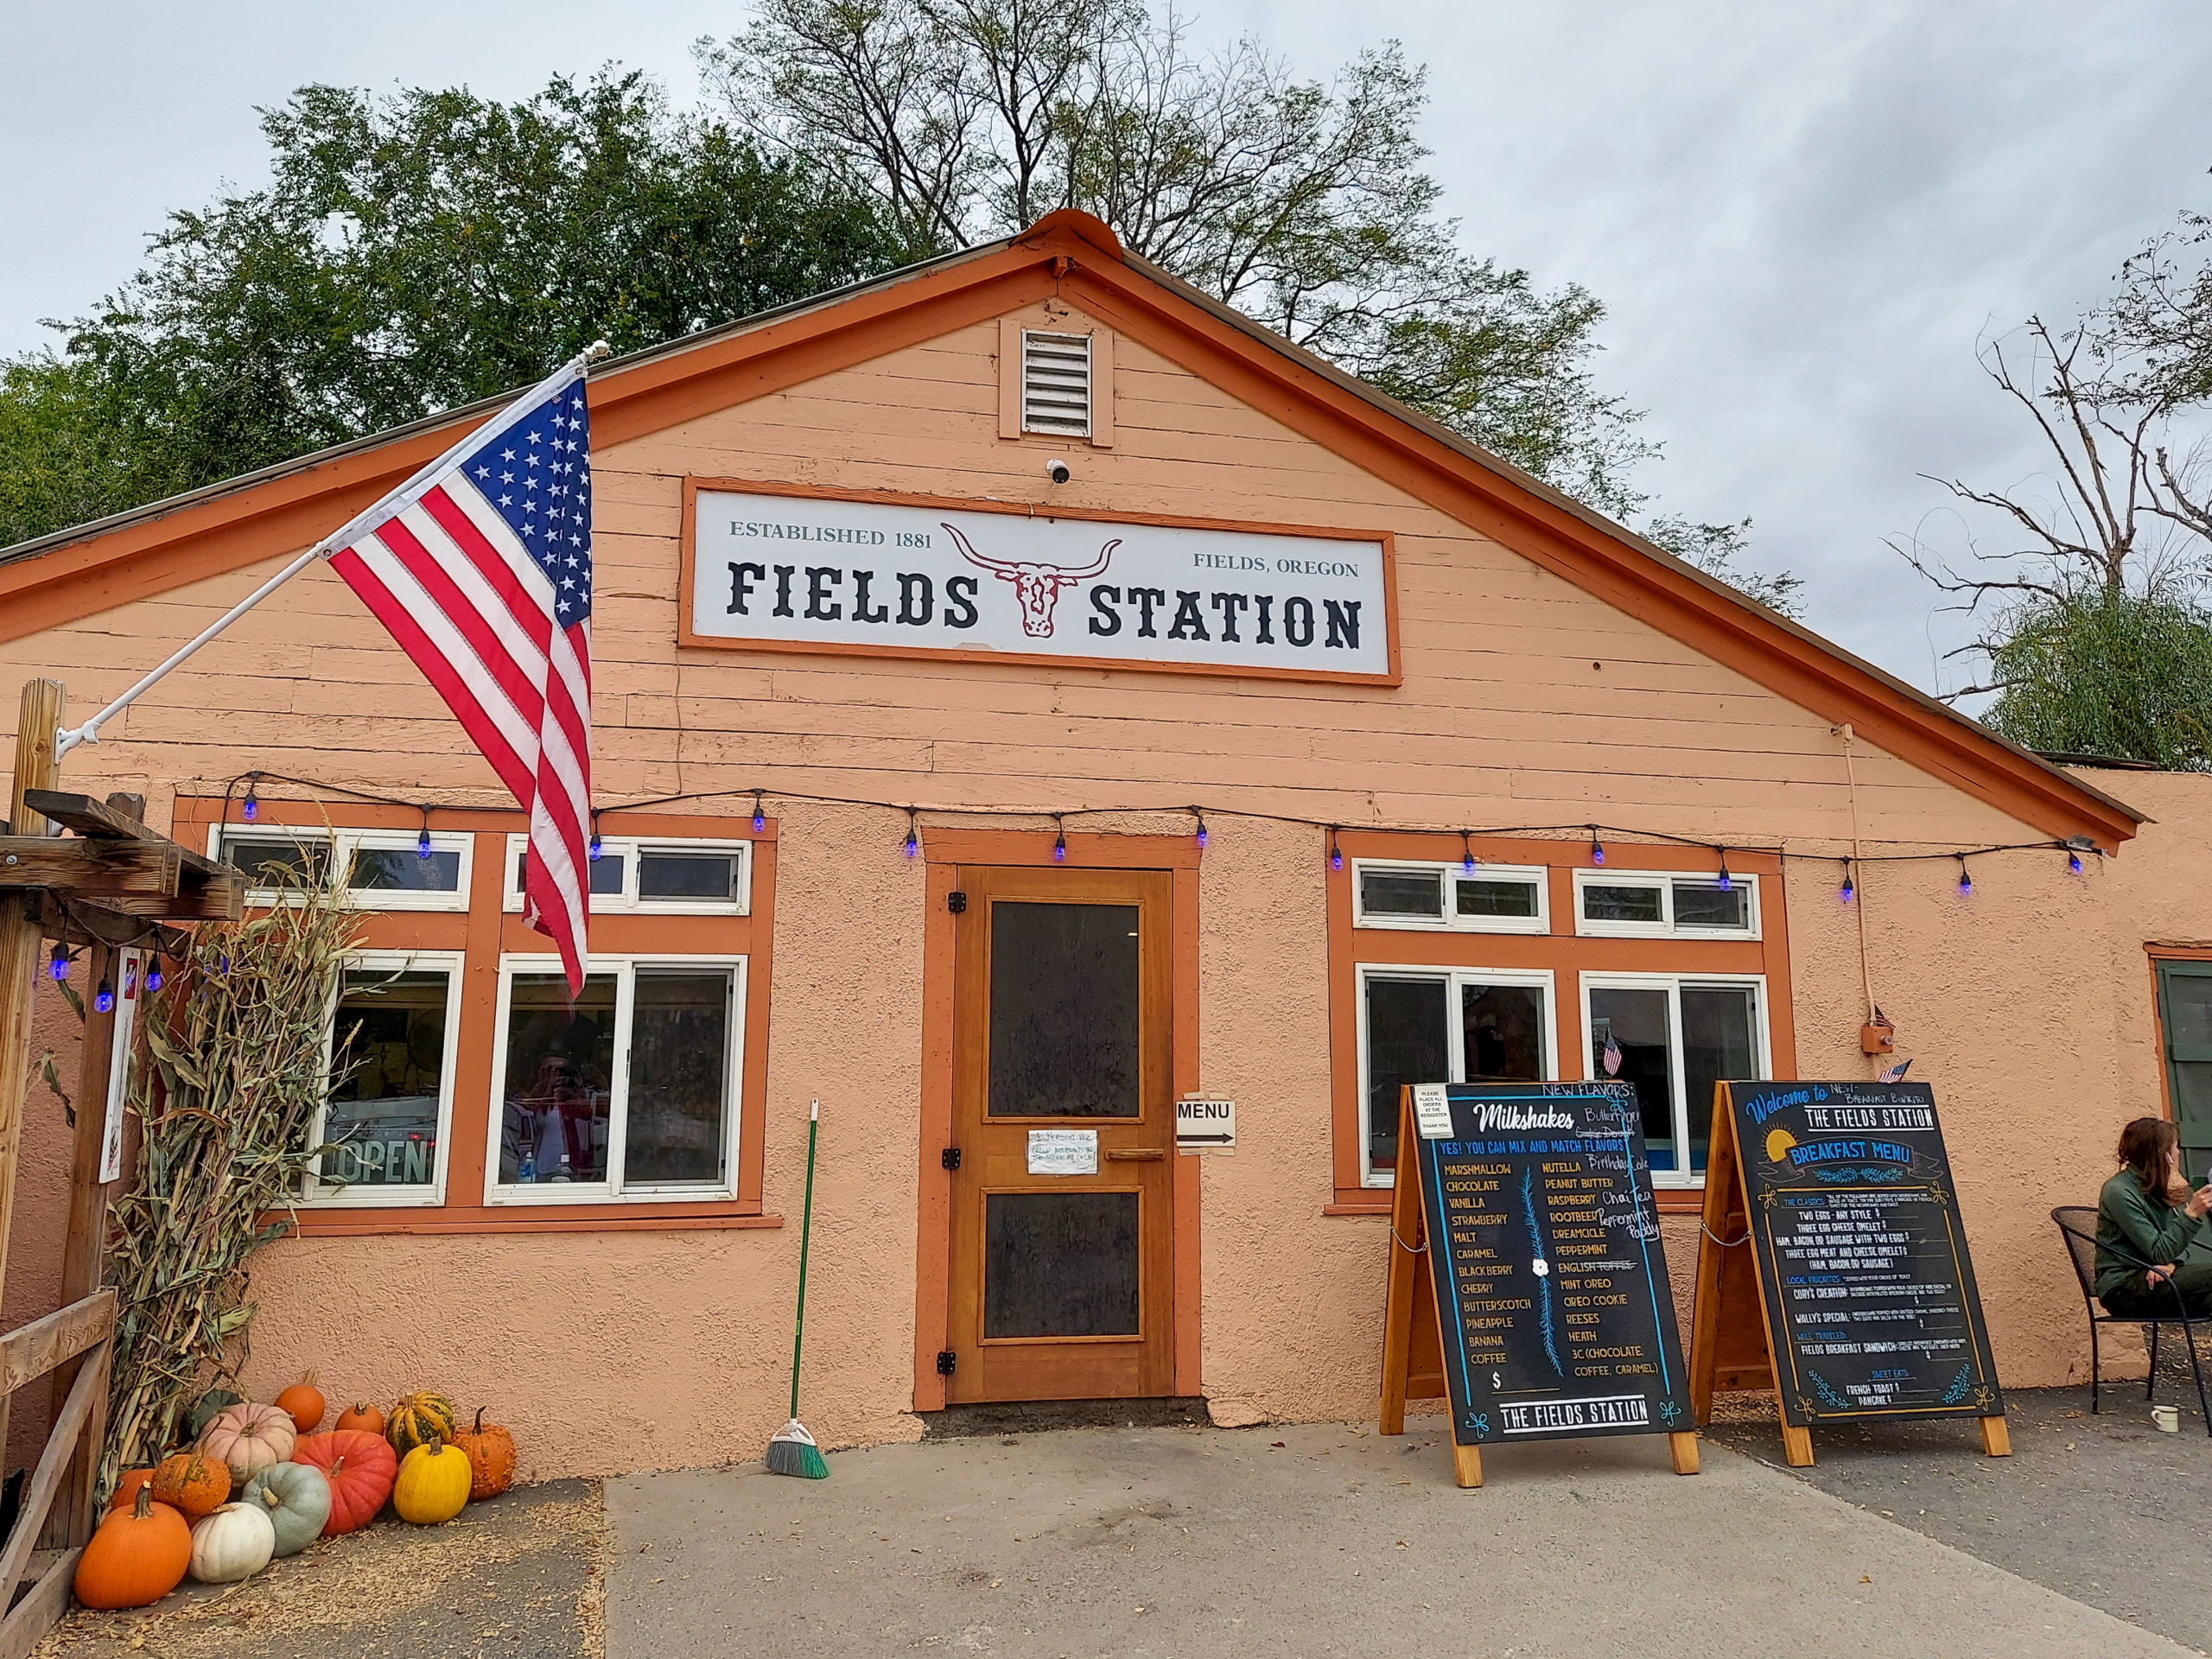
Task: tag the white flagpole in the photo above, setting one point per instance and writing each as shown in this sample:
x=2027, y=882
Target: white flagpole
x=68, y=737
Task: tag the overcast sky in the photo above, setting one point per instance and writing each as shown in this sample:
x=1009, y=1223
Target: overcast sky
x=1800, y=216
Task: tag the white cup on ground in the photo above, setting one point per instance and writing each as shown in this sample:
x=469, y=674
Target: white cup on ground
x=2168, y=1418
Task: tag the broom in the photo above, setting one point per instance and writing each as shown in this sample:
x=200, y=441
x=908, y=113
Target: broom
x=792, y=1450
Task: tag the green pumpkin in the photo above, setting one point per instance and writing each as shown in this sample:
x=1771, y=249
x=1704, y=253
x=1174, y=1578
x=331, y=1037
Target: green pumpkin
x=296, y=1498
x=212, y=1403
x=418, y=1419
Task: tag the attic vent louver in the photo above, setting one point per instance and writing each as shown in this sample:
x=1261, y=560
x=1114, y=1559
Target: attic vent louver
x=1056, y=384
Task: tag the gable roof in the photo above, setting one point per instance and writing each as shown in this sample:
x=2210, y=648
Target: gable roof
x=59, y=578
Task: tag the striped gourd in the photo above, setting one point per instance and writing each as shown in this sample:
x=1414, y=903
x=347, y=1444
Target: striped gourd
x=417, y=1419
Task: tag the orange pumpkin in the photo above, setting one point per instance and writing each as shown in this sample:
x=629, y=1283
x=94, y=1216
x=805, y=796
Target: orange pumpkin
x=139, y=1555
x=490, y=1458
x=126, y=1489
x=304, y=1403
x=197, y=1486
x=363, y=1418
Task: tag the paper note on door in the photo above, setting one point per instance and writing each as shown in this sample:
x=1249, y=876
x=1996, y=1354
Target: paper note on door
x=1063, y=1152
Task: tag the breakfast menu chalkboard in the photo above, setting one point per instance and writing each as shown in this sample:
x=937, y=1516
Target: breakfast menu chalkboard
x=1868, y=1290
x=1554, y=1313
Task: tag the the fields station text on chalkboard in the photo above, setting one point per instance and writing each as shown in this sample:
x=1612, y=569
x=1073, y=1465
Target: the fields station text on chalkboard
x=1555, y=1313
x=1861, y=1258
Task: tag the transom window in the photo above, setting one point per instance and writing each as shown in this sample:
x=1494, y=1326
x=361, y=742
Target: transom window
x=1661, y=904
x=686, y=877
x=629, y=1089
x=386, y=870
x=1674, y=1036
x=1492, y=898
x=1425, y=1025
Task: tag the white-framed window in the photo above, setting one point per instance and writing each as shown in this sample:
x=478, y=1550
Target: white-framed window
x=1677, y=1035
x=655, y=876
x=389, y=1040
x=386, y=870
x=629, y=1091
x=1448, y=898
x=1444, y=1025
x=1665, y=905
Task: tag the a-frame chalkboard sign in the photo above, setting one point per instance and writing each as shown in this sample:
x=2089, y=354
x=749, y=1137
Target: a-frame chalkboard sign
x=1832, y=1268
x=1526, y=1287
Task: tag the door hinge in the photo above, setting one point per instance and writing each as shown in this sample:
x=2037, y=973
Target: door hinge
x=949, y=1158
x=956, y=902
x=947, y=1361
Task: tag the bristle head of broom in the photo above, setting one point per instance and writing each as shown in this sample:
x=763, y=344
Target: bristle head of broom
x=791, y=1451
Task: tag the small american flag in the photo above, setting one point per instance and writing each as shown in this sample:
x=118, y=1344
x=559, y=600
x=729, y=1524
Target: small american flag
x=1895, y=1073
x=1611, y=1058
x=480, y=566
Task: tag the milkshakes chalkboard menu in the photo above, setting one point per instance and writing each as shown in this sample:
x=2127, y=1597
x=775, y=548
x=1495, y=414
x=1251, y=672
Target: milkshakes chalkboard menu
x=1841, y=1193
x=1551, y=1308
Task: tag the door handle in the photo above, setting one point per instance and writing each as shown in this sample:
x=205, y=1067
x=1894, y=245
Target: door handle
x=1135, y=1155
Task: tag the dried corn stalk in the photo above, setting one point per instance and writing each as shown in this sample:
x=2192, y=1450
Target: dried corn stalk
x=234, y=1071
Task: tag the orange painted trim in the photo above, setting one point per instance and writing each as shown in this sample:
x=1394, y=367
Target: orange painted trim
x=2157, y=952
x=1564, y=953
x=485, y=932
x=1071, y=254
x=687, y=558
x=944, y=851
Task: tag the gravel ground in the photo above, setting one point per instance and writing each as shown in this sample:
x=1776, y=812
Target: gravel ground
x=517, y=1577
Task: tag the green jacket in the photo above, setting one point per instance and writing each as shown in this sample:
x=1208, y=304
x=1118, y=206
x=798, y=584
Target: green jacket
x=2146, y=1228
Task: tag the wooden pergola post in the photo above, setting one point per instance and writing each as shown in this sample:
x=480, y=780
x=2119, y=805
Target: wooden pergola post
x=37, y=721
x=111, y=883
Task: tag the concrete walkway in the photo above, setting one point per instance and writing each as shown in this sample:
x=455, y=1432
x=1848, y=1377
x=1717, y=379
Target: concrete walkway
x=1316, y=1540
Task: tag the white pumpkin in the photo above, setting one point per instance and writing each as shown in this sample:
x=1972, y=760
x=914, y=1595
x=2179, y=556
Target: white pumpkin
x=297, y=1499
x=234, y=1542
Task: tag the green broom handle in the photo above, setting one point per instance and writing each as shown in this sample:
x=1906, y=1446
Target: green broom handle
x=806, y=1236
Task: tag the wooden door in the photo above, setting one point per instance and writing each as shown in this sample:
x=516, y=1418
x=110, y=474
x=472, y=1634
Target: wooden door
x=1060, y=1281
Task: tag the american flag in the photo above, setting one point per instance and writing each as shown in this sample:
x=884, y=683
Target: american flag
x=1612, y=1057
x=480, y=566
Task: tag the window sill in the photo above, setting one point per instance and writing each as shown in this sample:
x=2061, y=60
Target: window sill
x=570, y=1218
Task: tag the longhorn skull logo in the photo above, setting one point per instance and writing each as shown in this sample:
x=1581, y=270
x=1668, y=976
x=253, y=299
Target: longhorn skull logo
x=1036, y=587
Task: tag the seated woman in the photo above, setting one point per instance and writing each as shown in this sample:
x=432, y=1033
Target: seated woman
x=2151, y=1238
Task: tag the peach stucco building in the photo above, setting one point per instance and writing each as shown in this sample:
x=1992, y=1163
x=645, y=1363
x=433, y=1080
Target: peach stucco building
x=841, y=595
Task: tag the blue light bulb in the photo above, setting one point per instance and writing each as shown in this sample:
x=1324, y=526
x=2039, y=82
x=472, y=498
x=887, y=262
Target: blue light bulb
x=1847, y=892
x=154, y=974
x=423, y=845
x=58, y=966
x=595, y=847
x=104, y=999
x=2074, y=862
x=1597, y=853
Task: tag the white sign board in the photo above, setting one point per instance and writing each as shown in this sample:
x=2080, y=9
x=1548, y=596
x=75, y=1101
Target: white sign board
x=807, y=572
x=131, y=965
x=1063, y=1152
x=1432, y=1111
x=1205, y=1125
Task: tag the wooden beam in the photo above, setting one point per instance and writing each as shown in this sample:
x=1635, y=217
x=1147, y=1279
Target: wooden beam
x=39, y=1609
x=75, y=867
x=213, y=900
x=53, y=1463
x=112, y=819
x=29, y=1353
x=38, y=722
x=89, y=922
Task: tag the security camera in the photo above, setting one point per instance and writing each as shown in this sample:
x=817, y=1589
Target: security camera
x=1056, y=471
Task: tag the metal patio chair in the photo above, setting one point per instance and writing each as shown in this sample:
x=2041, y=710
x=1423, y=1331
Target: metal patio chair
x=2078, y=1224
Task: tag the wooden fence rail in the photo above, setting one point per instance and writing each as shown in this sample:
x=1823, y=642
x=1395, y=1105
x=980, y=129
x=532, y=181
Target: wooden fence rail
x=83, y=1328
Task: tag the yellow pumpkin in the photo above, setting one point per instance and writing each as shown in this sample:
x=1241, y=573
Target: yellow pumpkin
x=433, y=1483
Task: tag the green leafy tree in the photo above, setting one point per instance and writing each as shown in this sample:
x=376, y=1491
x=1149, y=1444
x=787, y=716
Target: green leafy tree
x=411, y=253
x=2095, y=671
